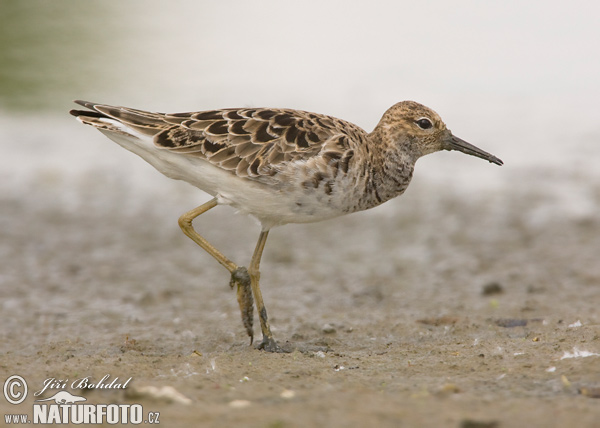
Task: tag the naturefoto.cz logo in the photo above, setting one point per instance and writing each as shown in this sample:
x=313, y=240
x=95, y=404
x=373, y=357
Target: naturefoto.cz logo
x=61, y=406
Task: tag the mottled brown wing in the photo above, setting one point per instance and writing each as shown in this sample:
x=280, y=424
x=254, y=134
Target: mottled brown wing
x=250, y=142
x=257, y=142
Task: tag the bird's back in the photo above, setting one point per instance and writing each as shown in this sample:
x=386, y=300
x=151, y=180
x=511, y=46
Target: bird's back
x=295, y=162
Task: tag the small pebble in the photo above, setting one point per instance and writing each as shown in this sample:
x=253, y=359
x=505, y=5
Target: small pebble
x=166, y=394
x=448, y=389
x=287, y=393
x=328, y=328
x=492, y=288
x=511, y=322
x=239, y=404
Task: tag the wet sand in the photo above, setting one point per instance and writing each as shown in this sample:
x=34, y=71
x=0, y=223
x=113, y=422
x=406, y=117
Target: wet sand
x=438, y=309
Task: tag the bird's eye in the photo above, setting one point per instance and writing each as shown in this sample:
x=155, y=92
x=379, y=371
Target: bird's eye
x=424, y=123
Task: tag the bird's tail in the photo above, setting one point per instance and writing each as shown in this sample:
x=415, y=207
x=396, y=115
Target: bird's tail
x=120, y=120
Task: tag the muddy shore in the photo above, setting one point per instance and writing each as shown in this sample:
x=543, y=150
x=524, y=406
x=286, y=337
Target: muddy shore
x=439, y=309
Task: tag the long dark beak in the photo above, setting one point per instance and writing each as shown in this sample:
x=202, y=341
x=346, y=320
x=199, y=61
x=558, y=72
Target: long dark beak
x=455, y=143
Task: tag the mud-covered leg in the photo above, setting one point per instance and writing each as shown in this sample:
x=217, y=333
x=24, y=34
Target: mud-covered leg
x=239, y=275
x=241, y=278
x=268, y=343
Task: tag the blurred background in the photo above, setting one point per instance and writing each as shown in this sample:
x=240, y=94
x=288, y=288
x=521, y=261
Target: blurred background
x=518, y=79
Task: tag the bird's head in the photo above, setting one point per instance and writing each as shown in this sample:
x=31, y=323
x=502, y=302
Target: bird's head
x=418, y=131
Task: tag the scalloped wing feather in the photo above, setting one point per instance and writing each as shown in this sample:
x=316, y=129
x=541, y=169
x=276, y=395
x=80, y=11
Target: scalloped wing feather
x=250, y=142
x=257, y=142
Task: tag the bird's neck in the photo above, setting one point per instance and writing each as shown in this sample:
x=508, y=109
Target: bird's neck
x=391, y=168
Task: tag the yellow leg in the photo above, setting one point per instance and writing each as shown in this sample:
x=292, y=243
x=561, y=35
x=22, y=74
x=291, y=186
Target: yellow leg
x=268, y=343
x=185, y=222
x=239, y=274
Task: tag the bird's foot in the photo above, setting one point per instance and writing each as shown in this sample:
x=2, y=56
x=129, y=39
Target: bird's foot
x=241, y=278
x=268, y=344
